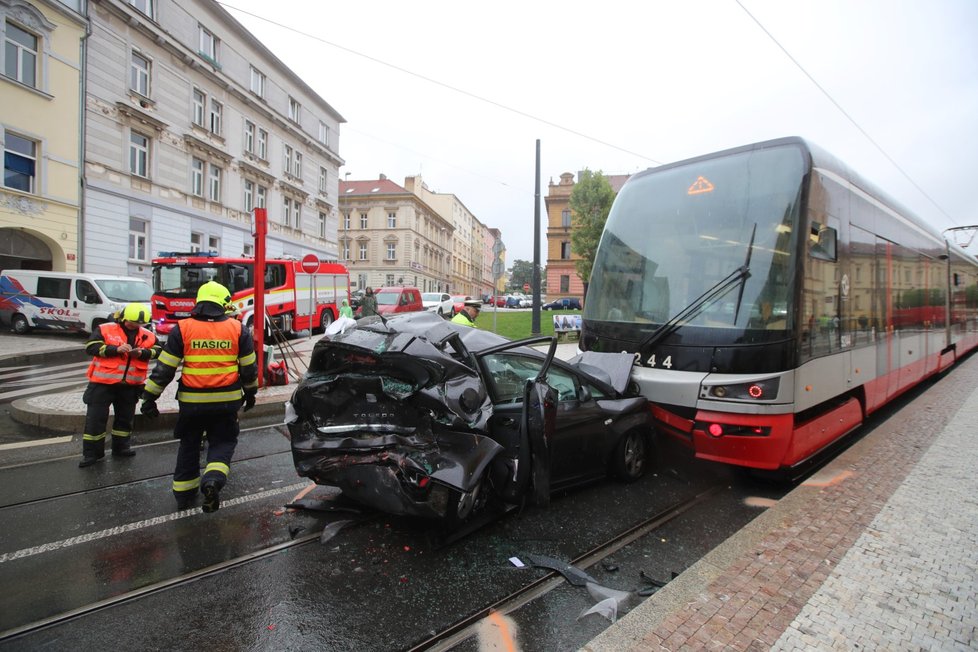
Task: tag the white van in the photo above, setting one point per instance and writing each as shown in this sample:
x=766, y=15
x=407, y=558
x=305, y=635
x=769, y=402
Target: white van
x=65, y=301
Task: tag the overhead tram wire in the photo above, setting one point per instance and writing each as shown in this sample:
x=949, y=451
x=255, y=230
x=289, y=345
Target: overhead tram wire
x=455, y=89
x=846, y=114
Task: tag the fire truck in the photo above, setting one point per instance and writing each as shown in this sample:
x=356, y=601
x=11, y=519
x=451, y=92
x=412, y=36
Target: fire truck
x=294, y=299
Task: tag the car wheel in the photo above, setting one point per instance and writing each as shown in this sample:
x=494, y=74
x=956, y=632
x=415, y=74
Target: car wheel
x=464, y=506
x=19, y=324
x=631, y=456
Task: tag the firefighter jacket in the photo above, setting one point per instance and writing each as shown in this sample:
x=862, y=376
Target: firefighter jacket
x=219, y=364
x=110, y=367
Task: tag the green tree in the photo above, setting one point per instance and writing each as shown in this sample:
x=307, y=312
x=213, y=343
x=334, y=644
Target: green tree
x=522, y=273
x=590, y=203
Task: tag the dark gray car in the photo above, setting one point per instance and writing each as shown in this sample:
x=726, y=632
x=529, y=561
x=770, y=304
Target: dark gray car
x=418, y=416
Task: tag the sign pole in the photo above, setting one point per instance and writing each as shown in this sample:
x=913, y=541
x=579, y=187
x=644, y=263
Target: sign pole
x=310, y=265
x=258, y=319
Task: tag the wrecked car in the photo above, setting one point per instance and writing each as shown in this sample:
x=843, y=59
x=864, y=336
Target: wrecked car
x=417, y=416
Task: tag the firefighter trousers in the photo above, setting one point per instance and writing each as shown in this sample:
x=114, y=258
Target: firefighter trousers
x=222, y=438
x=98, y=398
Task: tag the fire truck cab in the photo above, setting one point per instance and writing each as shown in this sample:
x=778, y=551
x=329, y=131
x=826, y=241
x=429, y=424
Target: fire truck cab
x=294, y=300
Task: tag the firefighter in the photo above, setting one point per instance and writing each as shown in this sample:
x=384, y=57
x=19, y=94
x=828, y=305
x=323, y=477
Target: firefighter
x=470, y=310
x=121, y=352
x=220, y=373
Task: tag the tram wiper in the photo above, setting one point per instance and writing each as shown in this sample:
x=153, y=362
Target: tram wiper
x=705, y=300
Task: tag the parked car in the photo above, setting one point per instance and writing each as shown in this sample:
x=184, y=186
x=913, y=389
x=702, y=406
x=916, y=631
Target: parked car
x=513, y=301
x=498, y=301
x=567, y=303
x=439, y=303
x=392, y=300
x=419, y=416
x=458, y=300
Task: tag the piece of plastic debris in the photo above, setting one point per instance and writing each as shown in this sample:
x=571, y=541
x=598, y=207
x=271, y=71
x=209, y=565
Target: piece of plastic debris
x=516, y=562
x=575, y=576
x=333, y=529
x=607, y=608
x=609, y=567
x=601, y=593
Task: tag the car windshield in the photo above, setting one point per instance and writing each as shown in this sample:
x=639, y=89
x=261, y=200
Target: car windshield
x=434, y=297
x=387, y=298
x=125, y=291
x=183, y=280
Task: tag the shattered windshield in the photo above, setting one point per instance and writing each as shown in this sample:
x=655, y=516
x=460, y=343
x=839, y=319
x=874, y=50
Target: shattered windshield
x=697, y=222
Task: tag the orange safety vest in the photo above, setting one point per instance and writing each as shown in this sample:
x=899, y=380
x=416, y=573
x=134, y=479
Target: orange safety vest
x=121, y=368
x=210, y=353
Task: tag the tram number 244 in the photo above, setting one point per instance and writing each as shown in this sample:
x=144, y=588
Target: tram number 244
x=651, y=362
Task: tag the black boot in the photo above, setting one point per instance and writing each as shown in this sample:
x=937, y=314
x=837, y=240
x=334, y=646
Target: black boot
x=185, y=499
x=122, y=447
x=212, y=496
x=92, y=451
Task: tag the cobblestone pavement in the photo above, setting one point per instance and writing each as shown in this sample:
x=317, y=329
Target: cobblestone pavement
x=878, y=550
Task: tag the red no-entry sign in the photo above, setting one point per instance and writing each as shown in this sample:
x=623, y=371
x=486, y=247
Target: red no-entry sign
x=310, y=263
x=526, y=287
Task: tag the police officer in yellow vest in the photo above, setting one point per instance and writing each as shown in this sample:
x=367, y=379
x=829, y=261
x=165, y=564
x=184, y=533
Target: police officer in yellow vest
x=220, y=373
x=470, y=310
x=121, y=353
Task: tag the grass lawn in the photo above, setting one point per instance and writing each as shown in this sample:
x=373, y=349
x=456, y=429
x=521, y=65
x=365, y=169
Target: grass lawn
x=517, y=325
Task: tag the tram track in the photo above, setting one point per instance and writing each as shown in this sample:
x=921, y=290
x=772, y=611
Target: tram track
x=466, y=627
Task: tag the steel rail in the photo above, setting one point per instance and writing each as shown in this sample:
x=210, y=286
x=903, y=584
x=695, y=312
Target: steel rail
x=466, y=628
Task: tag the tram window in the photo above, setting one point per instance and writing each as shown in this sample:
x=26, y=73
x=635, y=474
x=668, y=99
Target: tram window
x=823, y=242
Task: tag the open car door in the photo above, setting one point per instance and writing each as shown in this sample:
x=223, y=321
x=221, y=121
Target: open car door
x=536, y=428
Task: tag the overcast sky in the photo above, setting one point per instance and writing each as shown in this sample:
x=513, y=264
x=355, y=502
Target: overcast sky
x=459, y=92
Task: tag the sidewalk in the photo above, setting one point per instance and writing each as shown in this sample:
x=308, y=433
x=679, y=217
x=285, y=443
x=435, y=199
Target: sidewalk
x=879, y=550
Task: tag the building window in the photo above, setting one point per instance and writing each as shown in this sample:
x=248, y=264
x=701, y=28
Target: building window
x=200, y=103
x=390, y=280
x=143, y=6
x=138, y=154
x=292, y=216
x=346, y=221
x=322, y=224
x=217, y=113
x=297, y=165
x=20, y=55
x=294, y=109
x=19, y=163
x=214, y=185
x=262, y=144
x=363, y=251
x=197, y=177
x=324, y=133
x=565, y=250
x=391, y=251
x=249, y=137
x=323, y=180
x=564, y=283
x=345, y=244
x=139, y=74
x=196, y=242
x=363, y=220
x=260, y=193
x=138, y=230
x=208, y=44
x=287, y=212
x=392, y=220
x=214, y=244
x=257, y=82
x=249, y=196
x=289, y=154
x=565, y=217
x=249, y=251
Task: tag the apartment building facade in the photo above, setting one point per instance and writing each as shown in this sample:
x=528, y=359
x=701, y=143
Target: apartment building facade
x=40, y=130
x=389, y=236
x=191, y=123
x=562, y=277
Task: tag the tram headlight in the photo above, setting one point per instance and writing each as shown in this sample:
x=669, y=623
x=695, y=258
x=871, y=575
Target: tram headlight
x=759, y=390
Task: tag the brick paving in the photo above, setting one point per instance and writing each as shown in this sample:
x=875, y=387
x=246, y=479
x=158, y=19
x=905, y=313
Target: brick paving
x=879, y=550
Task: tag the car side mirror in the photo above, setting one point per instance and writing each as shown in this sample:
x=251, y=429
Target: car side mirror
x=583, y=394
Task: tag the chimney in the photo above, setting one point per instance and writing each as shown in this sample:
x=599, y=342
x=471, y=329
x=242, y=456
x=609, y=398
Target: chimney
x=383, y=177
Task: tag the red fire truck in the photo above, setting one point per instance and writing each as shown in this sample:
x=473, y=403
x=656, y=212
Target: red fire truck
x=294, y=299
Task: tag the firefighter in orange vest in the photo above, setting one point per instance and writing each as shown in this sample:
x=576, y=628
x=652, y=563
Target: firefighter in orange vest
x=220, y=374
x=121, y=353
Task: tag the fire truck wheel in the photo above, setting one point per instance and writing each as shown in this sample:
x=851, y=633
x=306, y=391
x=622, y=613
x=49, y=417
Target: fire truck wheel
x=325, y=320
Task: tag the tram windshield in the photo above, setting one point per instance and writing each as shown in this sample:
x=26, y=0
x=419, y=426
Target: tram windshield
x=674, y=234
